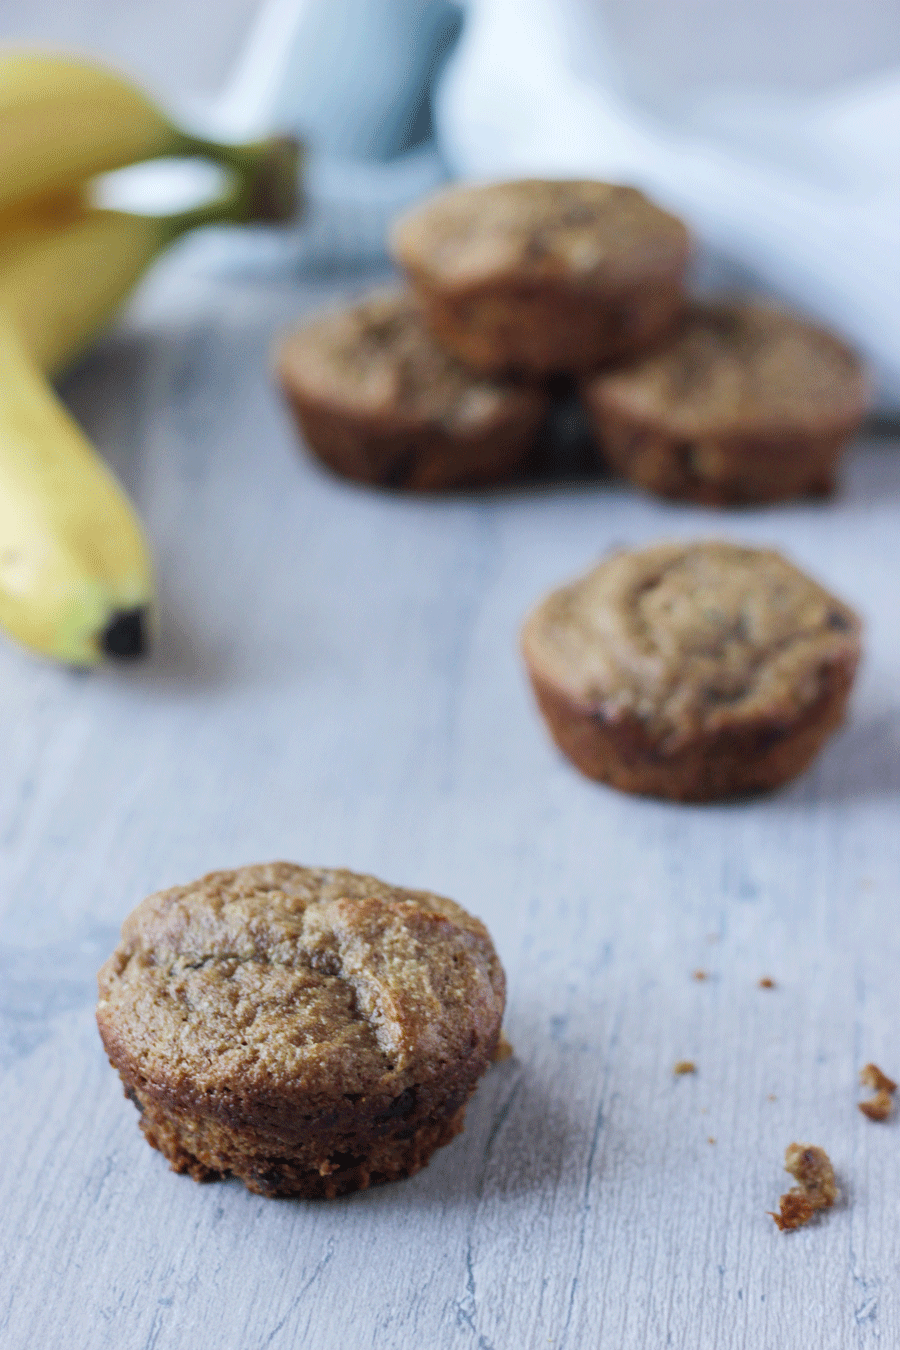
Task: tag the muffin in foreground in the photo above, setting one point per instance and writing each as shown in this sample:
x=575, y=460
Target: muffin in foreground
x=692, y=671
x=537, y=276
x=309, y=1031
x=378, y=401
x=743, y=404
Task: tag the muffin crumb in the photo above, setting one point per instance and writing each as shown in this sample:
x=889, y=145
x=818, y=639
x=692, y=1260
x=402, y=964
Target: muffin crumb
x=684, y=1066
x=700, y=975
x=881, y=1105
x=766, y=983
x=504, y=1050
x=871, y=1076
x=878, y=1107
x=816, y=1189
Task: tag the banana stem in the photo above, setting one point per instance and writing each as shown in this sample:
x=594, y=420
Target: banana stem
x=235, y=207
x=268, y=173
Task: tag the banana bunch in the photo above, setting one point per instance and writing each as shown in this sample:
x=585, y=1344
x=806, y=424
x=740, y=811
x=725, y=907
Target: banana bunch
x=76, y=580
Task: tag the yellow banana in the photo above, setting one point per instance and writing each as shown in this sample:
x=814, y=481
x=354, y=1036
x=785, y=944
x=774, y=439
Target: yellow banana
x=75, y=575
x=36, y=214
x=61, y=286
x=64, y=120
x=63, y=282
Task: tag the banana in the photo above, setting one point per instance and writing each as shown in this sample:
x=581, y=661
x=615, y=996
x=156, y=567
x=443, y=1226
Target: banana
x=62, y=282
x=76, y=580
x=64, y=121
x=61, y=286
x=35, y=214
x=75, y=572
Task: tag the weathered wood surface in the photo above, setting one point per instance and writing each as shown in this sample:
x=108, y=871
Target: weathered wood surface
x=337, y=681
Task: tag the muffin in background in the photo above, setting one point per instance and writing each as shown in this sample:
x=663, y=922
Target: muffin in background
x=744, y=403
x=692, y=671
x=537, y=276
x=377, y=400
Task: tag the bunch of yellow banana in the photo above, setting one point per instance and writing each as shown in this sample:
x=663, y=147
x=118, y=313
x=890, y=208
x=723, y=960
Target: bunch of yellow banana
x=76, y=580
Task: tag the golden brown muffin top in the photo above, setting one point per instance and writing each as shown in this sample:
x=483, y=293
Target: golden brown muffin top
x=376, y=358
x=285, y=982
x=589, y=232
x=691, y=637
x=741, y=367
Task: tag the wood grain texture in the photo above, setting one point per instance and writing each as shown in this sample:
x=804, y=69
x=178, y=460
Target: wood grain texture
x=337, y=682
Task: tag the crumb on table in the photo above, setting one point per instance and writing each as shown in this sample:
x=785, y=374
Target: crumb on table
x=871, y=1076
x=880, y=1106
x=700, y=975
x=684, y=1066
x=504, y=1050
x=766, y=983
x=795, y=1210
x=816, y=1187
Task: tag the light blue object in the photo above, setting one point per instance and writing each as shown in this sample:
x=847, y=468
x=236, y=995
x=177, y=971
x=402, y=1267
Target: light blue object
x=352, y=77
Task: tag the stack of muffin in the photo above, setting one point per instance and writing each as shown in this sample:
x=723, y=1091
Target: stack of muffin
x=514, y=285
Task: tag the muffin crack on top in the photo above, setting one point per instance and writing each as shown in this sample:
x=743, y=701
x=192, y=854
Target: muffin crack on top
x=308, y=1030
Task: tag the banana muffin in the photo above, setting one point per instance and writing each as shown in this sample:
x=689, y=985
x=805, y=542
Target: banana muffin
x=745, y=404
x=309, y=1031
x=536, y=276
x=377, y=400
x=692, y=671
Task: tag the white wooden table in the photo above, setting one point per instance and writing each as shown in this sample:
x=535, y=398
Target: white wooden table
x=337, y=682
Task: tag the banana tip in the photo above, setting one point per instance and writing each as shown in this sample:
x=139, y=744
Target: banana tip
x=127, y=634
